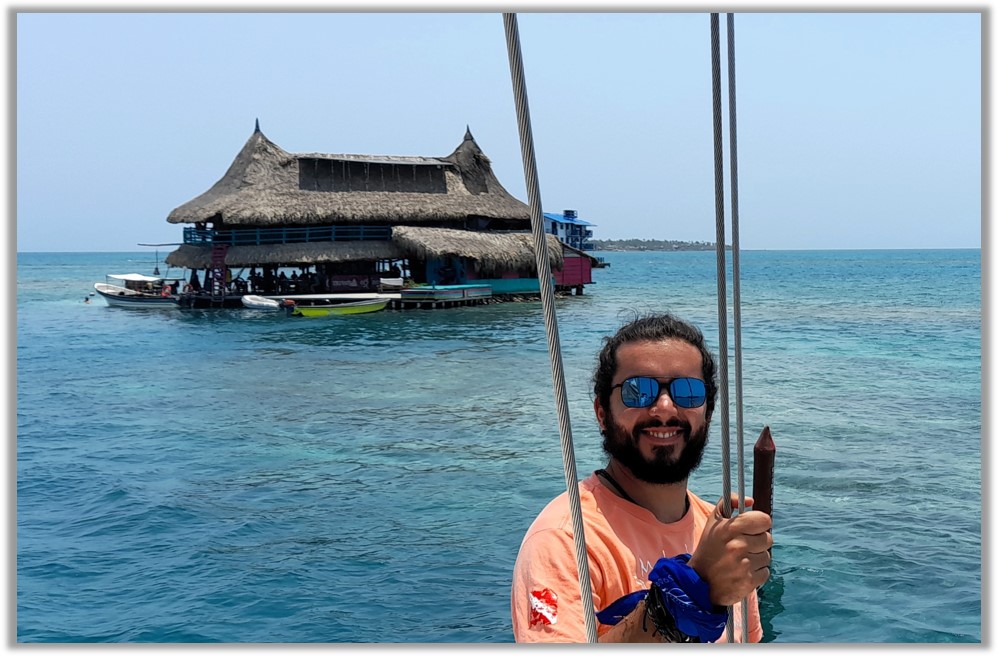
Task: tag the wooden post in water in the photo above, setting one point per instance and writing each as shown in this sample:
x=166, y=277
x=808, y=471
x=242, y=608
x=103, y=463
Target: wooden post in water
x=764, y=455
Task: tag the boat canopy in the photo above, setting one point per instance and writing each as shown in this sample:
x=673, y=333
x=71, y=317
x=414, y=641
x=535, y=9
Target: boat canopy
x=134, y=277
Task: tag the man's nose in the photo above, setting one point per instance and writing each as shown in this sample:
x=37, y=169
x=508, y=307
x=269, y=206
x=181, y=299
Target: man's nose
x=663, y=404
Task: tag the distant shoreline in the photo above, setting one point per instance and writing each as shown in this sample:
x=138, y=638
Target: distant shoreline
x=608, y=245
x=652, y=245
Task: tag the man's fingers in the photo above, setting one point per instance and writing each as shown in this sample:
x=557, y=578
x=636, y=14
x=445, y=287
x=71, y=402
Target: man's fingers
x=719, y=511
x=761, y=543
x=751, y=522
x=760, y=576
x=760, y=559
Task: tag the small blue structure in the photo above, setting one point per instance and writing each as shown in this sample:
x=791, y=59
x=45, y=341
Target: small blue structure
x=569, y=229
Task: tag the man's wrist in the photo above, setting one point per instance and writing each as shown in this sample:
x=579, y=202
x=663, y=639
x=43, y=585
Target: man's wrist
x=663, y=623
x=679, y=595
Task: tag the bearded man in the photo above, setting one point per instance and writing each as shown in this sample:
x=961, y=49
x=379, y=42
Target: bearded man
x=663, y=564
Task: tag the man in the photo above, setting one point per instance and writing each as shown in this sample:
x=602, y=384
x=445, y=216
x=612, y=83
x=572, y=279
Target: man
x=655, y=390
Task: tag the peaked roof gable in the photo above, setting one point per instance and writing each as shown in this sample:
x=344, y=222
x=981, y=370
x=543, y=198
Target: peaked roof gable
x=266, y=185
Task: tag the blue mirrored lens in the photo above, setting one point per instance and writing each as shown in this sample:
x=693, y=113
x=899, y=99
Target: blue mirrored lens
x=642, y=392
x=688, y=392
x=639, y=392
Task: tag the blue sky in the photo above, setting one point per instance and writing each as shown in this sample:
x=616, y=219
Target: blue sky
x=855, y=130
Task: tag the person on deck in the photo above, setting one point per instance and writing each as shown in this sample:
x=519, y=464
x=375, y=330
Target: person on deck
x=663, y=563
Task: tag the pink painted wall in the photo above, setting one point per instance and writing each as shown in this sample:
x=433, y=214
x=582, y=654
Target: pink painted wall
x=576, y=271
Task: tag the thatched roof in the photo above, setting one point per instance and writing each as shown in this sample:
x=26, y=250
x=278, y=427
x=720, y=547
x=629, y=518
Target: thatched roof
x=264, y=187
x=194, y=256
x=493, y=252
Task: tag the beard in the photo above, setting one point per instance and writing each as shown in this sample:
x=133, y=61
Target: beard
x=664, y=467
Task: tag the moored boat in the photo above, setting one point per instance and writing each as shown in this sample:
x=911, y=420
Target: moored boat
x=254, y=302
x=355, y=307
x=138, y=291
x=324, y=300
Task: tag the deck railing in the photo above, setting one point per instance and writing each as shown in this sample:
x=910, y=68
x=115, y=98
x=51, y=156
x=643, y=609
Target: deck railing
x=286, y=235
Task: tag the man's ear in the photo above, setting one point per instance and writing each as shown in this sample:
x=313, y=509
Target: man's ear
x=600, y=415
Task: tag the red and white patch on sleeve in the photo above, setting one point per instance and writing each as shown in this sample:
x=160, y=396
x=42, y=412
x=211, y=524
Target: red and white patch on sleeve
x=543, y=607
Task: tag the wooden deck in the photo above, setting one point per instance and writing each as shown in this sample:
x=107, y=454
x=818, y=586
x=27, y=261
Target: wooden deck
x=428, y=297
x=442, y=296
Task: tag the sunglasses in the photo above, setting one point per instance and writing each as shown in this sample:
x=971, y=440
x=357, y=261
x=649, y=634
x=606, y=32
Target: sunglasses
x=643, y=391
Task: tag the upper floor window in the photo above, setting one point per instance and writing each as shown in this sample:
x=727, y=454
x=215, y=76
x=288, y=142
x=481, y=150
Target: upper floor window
x=317, y=174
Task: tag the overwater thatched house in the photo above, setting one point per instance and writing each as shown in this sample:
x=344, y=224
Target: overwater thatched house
x=348, y=221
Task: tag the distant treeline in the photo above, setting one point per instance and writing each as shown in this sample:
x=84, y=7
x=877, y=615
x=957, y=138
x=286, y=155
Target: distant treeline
x=651, y=245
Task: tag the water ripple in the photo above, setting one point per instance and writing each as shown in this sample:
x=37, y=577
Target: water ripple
x=229, y=477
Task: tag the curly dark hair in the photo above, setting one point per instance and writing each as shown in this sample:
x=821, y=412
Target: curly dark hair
x=652, y=328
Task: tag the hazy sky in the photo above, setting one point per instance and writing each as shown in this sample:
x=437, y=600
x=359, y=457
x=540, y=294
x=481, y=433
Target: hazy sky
x=855, y=130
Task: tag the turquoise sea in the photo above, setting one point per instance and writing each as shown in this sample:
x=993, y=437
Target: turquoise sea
x=232, y=476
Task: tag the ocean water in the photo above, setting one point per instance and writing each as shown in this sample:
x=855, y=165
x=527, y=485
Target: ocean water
x=233, y=476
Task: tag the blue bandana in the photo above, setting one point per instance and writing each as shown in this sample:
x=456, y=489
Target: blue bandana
x=686, y=596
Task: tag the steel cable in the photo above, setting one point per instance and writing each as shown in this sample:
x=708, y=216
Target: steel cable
x=550, y=321
x=736, y=300
x=722, y=310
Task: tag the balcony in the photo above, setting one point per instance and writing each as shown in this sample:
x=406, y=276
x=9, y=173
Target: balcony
x=286, y=235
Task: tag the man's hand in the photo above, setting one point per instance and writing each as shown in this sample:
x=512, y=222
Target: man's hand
x=733, y=554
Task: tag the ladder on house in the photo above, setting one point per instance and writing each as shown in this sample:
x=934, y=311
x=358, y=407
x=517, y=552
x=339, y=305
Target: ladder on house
x=218, y=271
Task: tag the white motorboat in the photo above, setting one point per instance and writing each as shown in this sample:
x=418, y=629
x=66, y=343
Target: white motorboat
x=138, y=291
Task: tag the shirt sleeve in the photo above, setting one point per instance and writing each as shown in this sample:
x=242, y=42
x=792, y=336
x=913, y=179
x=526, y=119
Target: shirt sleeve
x=546, y=600
x=755, y=621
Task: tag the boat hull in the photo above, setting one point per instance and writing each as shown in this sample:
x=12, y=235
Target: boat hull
x=116, y=296
x=359, y=307
x=260, y=303
x=325, y=300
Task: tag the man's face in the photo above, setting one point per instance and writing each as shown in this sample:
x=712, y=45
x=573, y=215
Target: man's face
x=662, y=443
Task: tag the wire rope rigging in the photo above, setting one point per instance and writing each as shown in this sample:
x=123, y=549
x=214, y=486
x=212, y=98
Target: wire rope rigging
x=550, y=321
x=722, y=312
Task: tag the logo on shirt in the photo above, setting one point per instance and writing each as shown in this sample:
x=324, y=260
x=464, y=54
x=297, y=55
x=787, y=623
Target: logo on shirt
x=543, y=607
